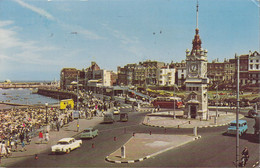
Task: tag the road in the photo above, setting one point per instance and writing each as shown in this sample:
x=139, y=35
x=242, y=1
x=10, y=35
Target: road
x=213, y=150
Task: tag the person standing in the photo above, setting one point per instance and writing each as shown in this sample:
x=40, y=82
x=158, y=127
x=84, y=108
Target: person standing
x=58, y=125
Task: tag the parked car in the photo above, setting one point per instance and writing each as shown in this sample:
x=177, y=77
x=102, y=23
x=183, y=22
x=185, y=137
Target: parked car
x=256, y=126
x=252, y=113
x=65, y=145
x=242, y=127
x=76, y=115
x=89, y=133
x=123, y=117
x=109, y=117
x=116, y=110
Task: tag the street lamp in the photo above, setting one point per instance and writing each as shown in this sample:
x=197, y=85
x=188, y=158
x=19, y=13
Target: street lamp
x=46, y=105
x=174, y=86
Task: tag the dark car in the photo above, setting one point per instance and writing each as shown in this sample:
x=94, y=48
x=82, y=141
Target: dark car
x=252, y=113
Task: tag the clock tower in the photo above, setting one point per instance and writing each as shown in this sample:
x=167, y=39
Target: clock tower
x=196, y=80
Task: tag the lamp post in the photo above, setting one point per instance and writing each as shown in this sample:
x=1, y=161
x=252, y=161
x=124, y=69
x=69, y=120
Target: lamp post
x=217, y=103
x=174, y=86
x=237, y=113
x=46, y=105
x=77, y=102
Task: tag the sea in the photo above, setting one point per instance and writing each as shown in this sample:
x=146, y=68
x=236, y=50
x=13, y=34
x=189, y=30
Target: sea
x=24, y=96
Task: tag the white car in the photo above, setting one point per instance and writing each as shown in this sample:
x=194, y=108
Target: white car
x=65, y=145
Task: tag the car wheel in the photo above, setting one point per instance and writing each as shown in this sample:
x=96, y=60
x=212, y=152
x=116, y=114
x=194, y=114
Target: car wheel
x=68, y=151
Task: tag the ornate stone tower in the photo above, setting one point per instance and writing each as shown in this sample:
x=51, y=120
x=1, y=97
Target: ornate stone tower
x=196, y=80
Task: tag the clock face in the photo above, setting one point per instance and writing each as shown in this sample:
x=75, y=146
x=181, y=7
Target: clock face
x=193, y=67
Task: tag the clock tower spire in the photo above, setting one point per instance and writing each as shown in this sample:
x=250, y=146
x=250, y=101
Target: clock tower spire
x=196, y=80
x=196, y=43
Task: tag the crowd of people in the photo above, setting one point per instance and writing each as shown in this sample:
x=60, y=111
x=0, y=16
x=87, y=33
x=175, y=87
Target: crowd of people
x=19, y=125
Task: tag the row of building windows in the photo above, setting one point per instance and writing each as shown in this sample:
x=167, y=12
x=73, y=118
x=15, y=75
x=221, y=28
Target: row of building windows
x=193, y=88
x=256, y=66
x=255, y=60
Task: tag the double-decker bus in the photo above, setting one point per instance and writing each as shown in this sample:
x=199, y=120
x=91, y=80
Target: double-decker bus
x=167, y=102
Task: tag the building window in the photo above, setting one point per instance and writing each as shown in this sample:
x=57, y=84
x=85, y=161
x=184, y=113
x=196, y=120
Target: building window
x=257, y=60
x=251, y=66
x=257, y=66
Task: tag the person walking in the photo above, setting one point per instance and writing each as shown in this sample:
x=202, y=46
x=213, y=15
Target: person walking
x=47, y=136
x=245, y=155
x=15, y=144
x=40, y=136
x=23, y=146
x=3, y=149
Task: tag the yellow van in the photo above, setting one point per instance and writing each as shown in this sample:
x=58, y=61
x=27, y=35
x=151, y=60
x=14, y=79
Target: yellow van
x=67, y=103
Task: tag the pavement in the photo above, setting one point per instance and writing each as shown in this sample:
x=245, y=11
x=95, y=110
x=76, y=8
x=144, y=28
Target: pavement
x=144, y=146
x=36, y=147
x=140, y=146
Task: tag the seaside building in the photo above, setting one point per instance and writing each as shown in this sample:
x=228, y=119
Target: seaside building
x=167, y=76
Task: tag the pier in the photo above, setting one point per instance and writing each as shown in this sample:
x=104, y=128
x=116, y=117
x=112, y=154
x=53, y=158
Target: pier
x=57, y=94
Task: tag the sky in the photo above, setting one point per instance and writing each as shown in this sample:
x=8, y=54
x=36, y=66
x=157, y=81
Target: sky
x=40, y=37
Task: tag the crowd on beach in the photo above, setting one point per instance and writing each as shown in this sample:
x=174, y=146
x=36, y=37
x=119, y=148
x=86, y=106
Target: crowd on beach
x=19, y=125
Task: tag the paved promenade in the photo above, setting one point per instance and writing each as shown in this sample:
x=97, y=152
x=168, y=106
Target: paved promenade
x=35, y=147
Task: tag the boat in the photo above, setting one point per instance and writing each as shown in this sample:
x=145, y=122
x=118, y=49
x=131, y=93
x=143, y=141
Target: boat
x=34, y=91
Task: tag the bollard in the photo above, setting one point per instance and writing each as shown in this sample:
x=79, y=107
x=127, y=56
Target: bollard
x=93, y=145
x=178, y=126
x=189, y=122
x=36, y=157
x=150, y=132
x=114, y=138
x=123, y=152
x=195, y=131
x=133, y=134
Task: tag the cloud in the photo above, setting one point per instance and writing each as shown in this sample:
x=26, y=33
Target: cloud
x=6, y=23
x=256, y=2
x=35, y=9
x=17, y=50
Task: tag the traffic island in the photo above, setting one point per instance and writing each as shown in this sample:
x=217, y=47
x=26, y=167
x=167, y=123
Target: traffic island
x=163, y=120
x=144, y=146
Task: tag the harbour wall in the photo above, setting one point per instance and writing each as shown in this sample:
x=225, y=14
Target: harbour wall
x=57, y=94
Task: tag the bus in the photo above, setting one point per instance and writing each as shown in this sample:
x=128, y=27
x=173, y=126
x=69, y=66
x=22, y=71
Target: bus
x=167, y=102
x=67, y=103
